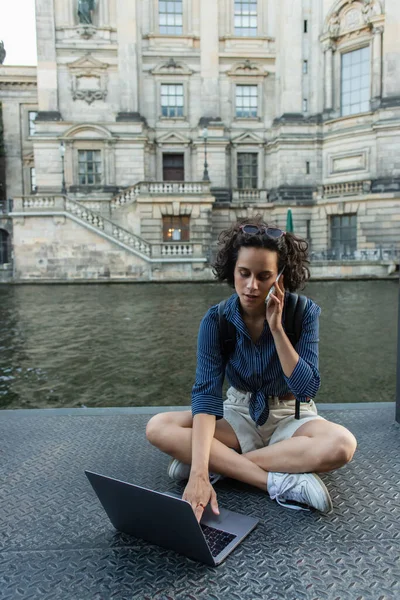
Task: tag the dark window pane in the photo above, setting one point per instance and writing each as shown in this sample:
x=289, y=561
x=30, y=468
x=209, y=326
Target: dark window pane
x=343, y=234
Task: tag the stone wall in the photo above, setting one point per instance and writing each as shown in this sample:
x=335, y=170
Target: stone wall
x=56, y=248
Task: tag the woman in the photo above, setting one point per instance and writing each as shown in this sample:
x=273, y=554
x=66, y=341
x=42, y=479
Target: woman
x=253, y=436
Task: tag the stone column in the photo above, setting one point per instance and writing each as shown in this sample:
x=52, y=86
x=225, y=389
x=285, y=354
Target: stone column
x=128, y=60
x=377, y=67
x=209, y=59
x=46, y=61
x=289, y=49
x=328, y=104
x=391, y=54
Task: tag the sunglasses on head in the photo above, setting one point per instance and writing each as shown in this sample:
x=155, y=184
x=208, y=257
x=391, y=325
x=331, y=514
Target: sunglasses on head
x=272, y=232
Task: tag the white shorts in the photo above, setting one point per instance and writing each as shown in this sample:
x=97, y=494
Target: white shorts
x=280, y=425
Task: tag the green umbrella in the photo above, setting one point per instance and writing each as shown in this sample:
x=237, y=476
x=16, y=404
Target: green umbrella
x=289, y=221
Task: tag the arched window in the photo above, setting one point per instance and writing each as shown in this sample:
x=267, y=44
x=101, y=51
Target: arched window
x=352, y=45
x=4, y=247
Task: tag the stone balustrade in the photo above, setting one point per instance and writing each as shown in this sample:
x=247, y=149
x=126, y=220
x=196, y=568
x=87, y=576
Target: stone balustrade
x=249, y=195
x=38, y=203
x=126, y=197
x=85, y=214
x=349, y=188
x=184, y=249
x=159, y=188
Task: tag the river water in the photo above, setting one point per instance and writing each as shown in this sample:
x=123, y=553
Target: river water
x=135, y=344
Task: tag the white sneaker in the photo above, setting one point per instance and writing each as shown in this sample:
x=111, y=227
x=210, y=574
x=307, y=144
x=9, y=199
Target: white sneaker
x=179, y=471
x=299, y=491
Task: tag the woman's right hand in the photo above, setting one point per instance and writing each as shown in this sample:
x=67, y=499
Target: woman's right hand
x=199, y=492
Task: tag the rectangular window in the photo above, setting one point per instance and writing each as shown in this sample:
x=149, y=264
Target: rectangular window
x=305, y=67
x=4, y=247
x=308, y=167
x=176, y=229
x=305, y=26
x=305, y=105
x=89, y=167
x=170, y=17
x=172, y=100
x=32, y=114
x=173, y=167
x=246, y=101
x=246, y=18
x=247, y=170
x=356, y=81
x=32, y=172
x=343, y=235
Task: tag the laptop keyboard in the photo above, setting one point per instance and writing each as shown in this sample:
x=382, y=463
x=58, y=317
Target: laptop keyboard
x=216, y=539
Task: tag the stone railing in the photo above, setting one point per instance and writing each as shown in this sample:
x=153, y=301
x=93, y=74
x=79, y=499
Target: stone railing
x=183, y=249
x=362, y=254
x=249, y=195
x=177, y=249
x=159, y=188
x=126, y=197
x=350, y=188
x=123, y=235
x=33, y=202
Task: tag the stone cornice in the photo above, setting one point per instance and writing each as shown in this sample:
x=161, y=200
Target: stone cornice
x=20, y=85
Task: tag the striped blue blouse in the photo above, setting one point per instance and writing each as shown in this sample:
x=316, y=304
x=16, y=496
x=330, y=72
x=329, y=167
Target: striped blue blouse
x=253, y=367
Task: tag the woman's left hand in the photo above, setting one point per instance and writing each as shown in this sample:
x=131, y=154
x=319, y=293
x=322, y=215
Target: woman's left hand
x=274, y=308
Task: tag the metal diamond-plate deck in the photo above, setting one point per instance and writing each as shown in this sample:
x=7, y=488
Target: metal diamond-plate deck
x=56, y=542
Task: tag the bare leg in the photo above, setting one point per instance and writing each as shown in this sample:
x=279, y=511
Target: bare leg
x=171, y=433
x=317, y=446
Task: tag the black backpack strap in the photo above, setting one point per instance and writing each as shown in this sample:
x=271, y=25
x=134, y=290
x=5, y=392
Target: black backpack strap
x=227, y=332
x=295, y=306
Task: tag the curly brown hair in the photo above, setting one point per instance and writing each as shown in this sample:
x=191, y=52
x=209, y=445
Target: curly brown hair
x=292, y=253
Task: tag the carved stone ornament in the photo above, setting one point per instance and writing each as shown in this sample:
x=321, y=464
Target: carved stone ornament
x=247, y=68
x=86, y=31
x=334, y=25
x=88, y=79
x=172, y=67
x=351, y=16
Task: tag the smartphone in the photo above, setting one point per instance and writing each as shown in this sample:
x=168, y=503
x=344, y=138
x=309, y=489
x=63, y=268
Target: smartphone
x=272, y=290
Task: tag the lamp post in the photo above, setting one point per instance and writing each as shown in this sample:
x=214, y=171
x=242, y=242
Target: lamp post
x=398, y=367
x=62, y=154
x=206, y=176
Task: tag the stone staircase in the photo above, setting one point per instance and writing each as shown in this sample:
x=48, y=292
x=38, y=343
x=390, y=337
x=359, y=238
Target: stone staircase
x=58, y=205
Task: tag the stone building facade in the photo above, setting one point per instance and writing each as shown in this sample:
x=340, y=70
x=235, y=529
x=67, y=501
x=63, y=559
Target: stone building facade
x=295, y=104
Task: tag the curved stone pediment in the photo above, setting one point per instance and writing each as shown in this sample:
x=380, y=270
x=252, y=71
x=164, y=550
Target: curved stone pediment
x=247, y=68
x=88, y=130
x=172, y=67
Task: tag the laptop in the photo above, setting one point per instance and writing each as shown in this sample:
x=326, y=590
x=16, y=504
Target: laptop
x=166, y=520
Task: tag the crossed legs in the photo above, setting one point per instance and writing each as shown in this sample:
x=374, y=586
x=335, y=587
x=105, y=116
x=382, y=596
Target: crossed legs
x=317, y=446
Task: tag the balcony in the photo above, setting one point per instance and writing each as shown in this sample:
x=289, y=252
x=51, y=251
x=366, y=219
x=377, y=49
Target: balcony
x=160, y=188
x=249, y=195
